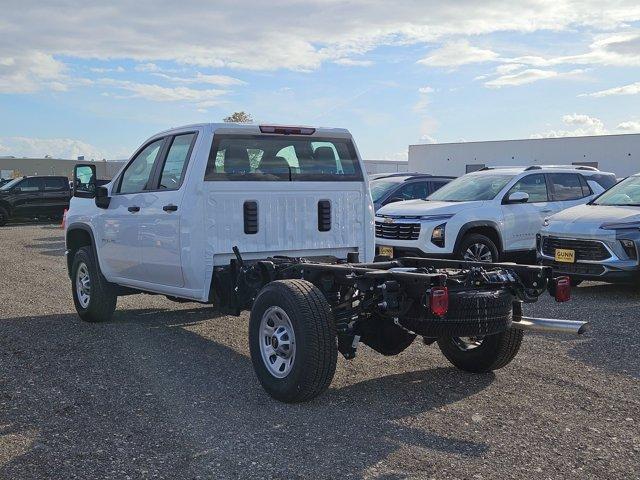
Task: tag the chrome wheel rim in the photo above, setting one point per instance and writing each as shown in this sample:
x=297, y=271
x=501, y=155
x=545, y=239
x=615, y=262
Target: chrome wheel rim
x=83, y=285
x=467, y=343
x=478, y=252
x=277, y=342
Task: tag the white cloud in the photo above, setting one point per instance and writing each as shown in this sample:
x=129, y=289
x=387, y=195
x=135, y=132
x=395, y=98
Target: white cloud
x=584, y=125
x=222, y=80
x=530, y=75
x=147, y=67
x=157, y=93
x=631, y=89
x=30, y=73
x=350, y=62
x=55, y=147
x=455, y=54
x=118, y=69
x=187, y=33
x=629, y=126
x=425, y=90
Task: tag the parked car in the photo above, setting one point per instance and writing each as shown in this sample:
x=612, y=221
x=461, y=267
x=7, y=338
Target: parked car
x=397, y=187
x=274, y=220
x=29, y=197
x=599, y=240
x=486, y=215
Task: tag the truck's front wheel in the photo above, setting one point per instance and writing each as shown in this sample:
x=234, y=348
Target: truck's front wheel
x=483, y=353
x=94, y=298
x=292, y=340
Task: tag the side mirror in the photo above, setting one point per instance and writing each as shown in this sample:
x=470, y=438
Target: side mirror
x=394, y=200
x=518, y=197
x=102, y=197
x=84, y=181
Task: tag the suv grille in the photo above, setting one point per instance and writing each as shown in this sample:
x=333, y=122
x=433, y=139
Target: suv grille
x=585, y=249
x=398, y=231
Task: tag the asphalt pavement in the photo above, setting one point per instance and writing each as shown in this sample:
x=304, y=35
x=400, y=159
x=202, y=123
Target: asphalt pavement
x=166, y=390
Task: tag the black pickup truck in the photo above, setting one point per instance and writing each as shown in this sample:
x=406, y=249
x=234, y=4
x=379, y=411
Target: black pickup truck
x=29, y=197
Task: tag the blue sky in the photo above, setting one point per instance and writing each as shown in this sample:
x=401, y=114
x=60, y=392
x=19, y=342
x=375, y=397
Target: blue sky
x=77, y=78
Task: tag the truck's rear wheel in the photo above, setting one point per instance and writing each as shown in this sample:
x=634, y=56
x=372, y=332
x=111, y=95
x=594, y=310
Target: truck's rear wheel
x=94, y=298
x=483, y=353
x=292, y=340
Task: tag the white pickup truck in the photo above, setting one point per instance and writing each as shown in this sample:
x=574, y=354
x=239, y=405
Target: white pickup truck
x=275, y=220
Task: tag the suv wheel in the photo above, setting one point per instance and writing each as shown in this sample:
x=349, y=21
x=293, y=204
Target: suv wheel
x=477, y=248
x=94, y=297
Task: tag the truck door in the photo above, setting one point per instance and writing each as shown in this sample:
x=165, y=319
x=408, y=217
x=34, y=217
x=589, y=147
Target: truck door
x=27, y=197
x=119, y=225
x=161, y=211
x=522, y=221
x=55, y=196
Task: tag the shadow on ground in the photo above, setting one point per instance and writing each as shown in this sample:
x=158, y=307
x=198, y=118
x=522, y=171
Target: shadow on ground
x=162, y=393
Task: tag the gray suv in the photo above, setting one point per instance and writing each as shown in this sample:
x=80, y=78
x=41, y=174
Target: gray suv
x=599, y=240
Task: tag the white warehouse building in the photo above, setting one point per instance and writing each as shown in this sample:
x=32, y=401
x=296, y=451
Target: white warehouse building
x=619, y=154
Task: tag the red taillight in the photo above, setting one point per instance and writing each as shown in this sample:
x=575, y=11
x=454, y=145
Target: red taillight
x=563, y=289
x=281, y=130
x=439, y=301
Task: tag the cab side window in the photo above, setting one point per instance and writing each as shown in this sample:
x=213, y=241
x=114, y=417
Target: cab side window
x=534, y=185
x=30, y=185
x=136, y=177
x=53, y=184
x=566, y=186
x=177, y=157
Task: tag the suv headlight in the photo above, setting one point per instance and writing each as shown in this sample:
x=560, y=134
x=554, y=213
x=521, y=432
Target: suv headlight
x=432, y=218
x=437, y=236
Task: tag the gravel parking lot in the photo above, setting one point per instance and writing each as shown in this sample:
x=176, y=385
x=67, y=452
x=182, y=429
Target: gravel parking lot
x=166, y=390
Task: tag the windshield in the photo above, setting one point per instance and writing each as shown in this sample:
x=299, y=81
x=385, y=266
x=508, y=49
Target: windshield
x=471, y=187
x=282, y=158
x=379, y=188
x=625, y=193
x=9, y=185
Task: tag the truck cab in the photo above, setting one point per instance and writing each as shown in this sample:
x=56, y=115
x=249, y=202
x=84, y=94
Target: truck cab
x=189, y=195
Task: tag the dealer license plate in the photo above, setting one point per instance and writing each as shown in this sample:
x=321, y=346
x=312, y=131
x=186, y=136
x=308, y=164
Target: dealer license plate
x=565, y=255
x=387, y=251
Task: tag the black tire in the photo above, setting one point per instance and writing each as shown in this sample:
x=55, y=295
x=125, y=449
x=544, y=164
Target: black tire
x=471, y=313
x=473, y=239
x=4, y=216
x=383, y=336
x=494, y=352
x=102, y=296
x=316, y=349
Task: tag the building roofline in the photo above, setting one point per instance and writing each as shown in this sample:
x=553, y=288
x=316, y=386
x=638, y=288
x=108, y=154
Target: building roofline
x=527, y=139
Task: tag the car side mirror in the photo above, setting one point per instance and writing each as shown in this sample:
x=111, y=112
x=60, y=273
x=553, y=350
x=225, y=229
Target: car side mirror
x=84, y=181
x=102, y=197
x=394, y=200
x=518, y=197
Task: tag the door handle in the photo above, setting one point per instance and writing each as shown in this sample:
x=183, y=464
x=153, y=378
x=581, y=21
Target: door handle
x=133, y=209
x=170, y=208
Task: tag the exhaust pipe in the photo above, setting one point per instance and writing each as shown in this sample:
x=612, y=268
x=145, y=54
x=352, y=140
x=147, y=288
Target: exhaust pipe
x=550, y=325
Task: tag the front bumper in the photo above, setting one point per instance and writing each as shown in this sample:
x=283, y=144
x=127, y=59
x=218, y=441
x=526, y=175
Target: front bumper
x=618, y=268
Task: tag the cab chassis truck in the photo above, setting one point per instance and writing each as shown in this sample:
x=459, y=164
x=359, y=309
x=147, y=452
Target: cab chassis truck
x=188, y=231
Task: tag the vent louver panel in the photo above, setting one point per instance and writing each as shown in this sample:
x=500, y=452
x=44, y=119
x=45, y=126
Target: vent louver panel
x=324, y=215
x=250, y=217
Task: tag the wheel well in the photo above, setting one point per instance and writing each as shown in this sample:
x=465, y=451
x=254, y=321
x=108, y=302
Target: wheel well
x=76, y=239
x=487, y=231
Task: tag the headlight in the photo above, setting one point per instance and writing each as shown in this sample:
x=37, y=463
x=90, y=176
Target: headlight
x=432, y=218
x=437, y=236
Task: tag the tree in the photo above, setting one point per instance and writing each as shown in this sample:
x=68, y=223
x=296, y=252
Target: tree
x=239, y=117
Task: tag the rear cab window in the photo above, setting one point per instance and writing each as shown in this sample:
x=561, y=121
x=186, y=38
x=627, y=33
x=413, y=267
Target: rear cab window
x=282, y=158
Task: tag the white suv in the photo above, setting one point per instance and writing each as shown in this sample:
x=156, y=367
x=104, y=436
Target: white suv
x=486, y=215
